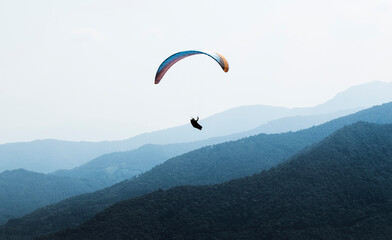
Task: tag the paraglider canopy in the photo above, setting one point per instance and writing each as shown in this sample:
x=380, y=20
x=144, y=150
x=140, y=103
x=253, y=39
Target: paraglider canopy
x=170, y=61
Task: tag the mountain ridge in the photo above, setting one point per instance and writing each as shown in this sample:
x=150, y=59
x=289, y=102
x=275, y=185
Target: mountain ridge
x=208, y=165
x=112, y=168
x=36, y=156
x=336, y=189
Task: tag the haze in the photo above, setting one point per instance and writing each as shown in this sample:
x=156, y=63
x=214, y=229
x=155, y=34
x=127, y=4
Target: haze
x=84, y=70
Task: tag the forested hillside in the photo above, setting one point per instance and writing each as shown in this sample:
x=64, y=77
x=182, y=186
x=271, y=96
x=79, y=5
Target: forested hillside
x=112, y=168
x=209, y=165
x=337, y=189
x=23, y=191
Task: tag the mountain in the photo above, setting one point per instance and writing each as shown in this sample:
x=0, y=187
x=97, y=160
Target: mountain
x=22, y=191
x=208, y=165
x=293, y=123
x=245, y=118
x=337, y=189
x=112, y=168
x=364, y=95
x=115, y=167
x=51, y=155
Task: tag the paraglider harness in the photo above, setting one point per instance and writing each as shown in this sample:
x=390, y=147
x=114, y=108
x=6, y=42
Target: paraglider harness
x=195, y=124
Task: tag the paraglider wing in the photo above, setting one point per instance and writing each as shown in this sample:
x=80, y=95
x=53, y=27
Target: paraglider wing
x=170, y=61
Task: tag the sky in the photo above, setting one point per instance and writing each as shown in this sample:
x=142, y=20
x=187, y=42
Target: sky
x=84, y=70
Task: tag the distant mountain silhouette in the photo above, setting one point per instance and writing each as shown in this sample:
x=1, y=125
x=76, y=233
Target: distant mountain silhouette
x=51, y=155
x=337, y=189
x=22, y=191
x=364, y=95
x=208, y=165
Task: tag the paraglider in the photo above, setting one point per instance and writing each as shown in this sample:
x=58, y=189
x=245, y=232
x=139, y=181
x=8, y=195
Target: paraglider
x=170, y=61
x=195, y=124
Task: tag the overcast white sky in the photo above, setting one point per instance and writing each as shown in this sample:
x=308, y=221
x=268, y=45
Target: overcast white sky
x=84, y=70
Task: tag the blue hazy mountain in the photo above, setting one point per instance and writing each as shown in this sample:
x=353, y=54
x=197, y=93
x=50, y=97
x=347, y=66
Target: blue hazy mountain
x=51, y=155
x=364, y=95
x=208, y=165
x=112, y=168
x=339, y=188
x=22, y=191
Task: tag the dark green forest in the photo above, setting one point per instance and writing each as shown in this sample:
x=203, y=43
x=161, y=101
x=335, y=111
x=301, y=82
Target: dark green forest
x=208, y=165
x=339, y=188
